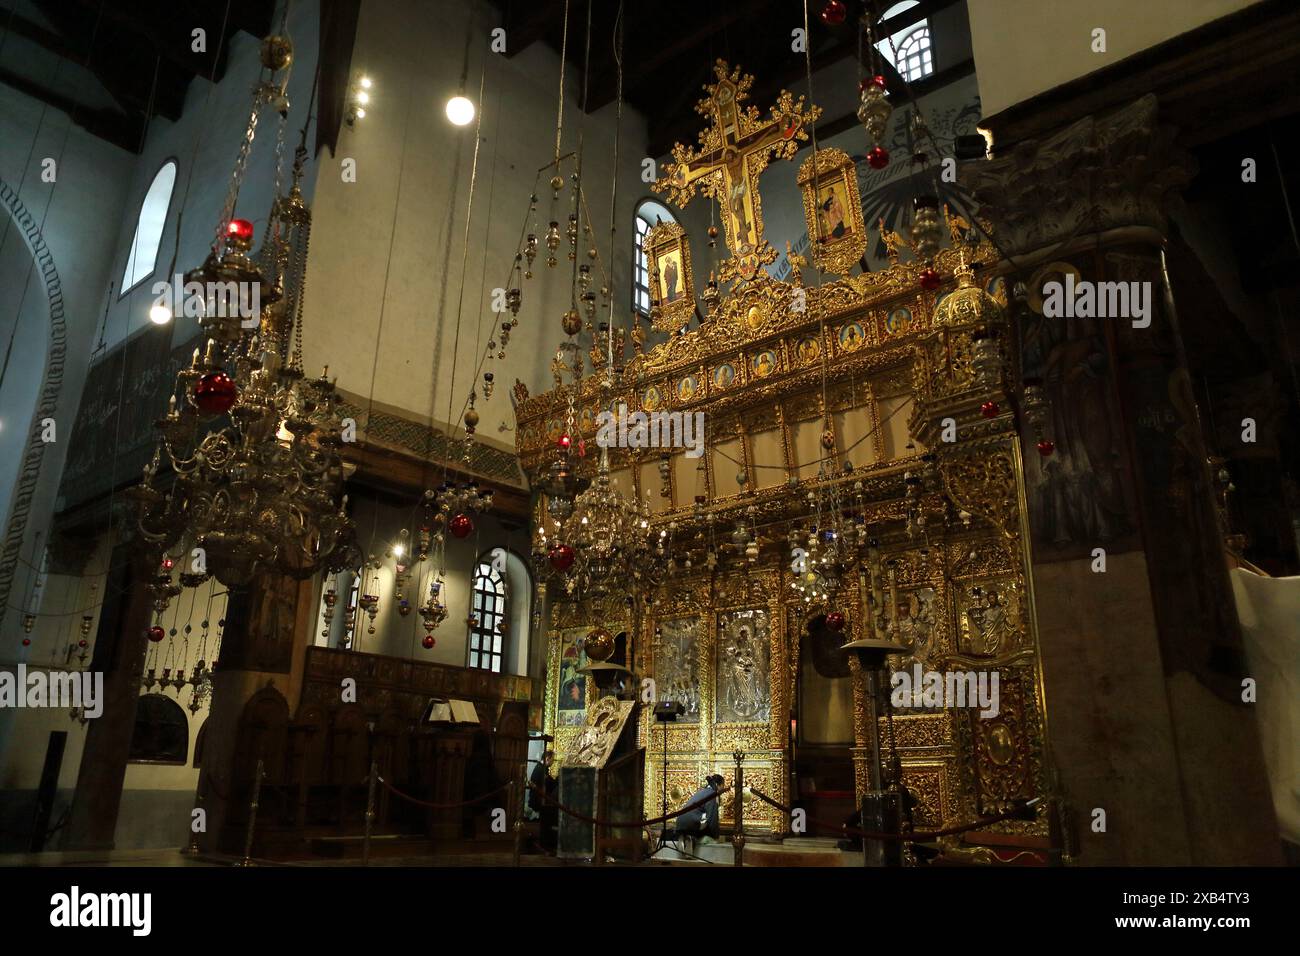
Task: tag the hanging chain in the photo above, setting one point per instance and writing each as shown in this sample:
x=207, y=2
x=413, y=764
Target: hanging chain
x=237, y=177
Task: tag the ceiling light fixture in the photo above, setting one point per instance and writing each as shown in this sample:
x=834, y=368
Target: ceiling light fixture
x=460, y=110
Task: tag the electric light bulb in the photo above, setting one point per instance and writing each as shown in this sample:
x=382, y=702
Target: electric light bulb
x=398, y=550
x=460, y=110
x=363, y=97
x=365, y=82
x=160, y=314
x=361, y=114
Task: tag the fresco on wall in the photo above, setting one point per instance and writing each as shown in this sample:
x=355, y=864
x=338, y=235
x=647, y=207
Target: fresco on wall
x=1080, y=497
x=126, y=391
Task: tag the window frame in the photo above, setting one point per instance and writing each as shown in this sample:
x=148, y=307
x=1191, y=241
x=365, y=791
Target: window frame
x=641, y=262
x=135, y=232
x=898, y=40
x=484, y=641
x=919, y=37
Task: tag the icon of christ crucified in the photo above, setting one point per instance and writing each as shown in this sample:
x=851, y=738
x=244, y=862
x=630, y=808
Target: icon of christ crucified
x=738, y=149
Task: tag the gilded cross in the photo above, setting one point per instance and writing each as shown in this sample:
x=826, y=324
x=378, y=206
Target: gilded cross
x=732, y=154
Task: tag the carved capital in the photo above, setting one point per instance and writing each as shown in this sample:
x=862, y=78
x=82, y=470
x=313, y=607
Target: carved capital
x=1102, y=172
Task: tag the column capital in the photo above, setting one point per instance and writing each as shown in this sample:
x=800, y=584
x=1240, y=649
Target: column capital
x=1107, y=171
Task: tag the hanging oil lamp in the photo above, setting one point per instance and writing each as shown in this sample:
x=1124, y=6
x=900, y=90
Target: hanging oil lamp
x=530, y=253
x=874, y=110
x=711, y=295
x=552, y=242
x=331, y=598
x=927, y=231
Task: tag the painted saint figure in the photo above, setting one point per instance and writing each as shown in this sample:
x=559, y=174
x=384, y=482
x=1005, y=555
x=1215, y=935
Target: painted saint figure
x=832, y=211
x=671, y=287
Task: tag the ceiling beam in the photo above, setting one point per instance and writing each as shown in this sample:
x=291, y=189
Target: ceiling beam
x=604, y=82
x=120, y=130
x=523, y=31
x=110, y=77
x=173, y=41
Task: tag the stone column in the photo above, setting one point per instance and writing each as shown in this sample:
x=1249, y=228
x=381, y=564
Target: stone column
x=268, y=627
x=119, y=653
x=1142, y=661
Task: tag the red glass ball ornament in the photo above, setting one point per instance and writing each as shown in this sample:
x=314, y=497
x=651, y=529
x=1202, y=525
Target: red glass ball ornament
x=27, y=642
x=989, y=409
x=562, y=557
x=878, y=157
x=461, y=525
x=215, y=393
x=1046, y=447
x=835, y=621
x=83, y=643
x=833, y=13
x=168, y=564
x=240, y=229
x=879, y=80
x=156, y=633
x=564, y=441
x=428, y=642
x=929, y=280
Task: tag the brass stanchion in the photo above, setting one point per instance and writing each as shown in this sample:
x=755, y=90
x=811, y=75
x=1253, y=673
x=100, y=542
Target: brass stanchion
x=252, y=816
x=193, y=848
x=370, y=813
x=738, y=834
x=516, y=802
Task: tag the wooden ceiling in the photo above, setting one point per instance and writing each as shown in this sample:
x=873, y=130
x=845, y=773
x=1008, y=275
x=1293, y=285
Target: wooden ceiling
x=669, y=47
x=120, y=43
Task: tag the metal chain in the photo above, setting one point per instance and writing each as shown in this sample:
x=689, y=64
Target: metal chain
x=237, y=176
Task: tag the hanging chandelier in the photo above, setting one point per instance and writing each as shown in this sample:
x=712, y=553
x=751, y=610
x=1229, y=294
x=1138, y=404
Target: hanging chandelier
x=254, y=445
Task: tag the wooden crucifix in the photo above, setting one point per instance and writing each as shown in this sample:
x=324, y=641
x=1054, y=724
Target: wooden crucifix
x=732, y=154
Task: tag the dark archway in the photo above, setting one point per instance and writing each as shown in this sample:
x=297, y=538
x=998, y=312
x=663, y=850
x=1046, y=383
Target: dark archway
x=161, y=733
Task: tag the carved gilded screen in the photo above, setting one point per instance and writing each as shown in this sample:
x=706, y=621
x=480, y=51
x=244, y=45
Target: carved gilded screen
x=677, y=665
x=743, y=667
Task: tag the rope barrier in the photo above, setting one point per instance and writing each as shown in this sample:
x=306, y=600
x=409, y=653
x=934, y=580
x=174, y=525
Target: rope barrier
x=622, y=825
x=922, y=836
x=441, y=806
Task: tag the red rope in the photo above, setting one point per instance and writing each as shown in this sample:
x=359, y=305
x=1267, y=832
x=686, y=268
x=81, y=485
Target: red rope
x=621, y=825
x=924, y=836
x=441, y=806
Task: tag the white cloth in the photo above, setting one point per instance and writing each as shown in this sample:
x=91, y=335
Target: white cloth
x=1269, y=610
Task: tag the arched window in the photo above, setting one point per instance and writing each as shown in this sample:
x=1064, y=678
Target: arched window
x=487, y=619
x=914, y=58
x=142, y=258
x=648, y=214
x=162, y=731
